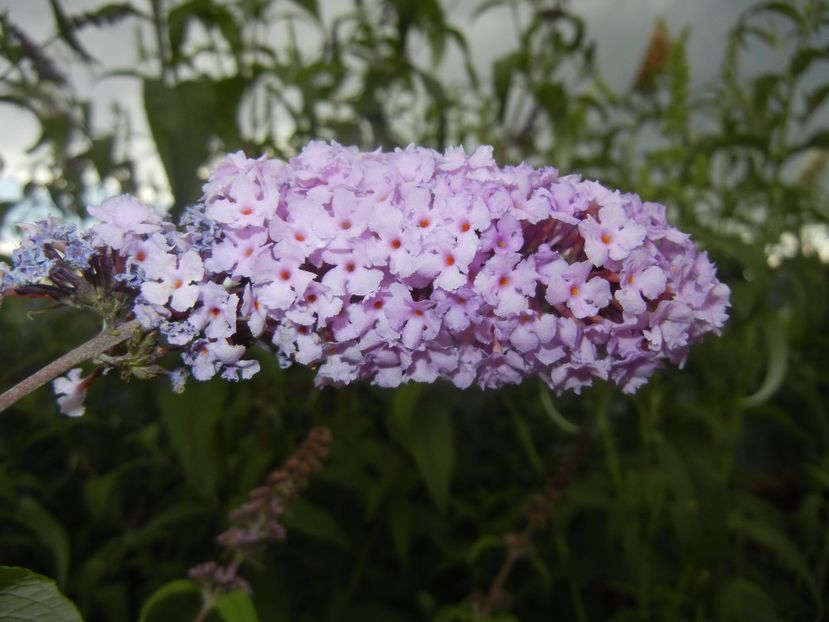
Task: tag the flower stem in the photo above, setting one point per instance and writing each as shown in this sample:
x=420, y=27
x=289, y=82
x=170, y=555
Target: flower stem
x=103, y=341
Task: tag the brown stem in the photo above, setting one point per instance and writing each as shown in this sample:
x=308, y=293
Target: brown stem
x=106, y=339
x=538, y=513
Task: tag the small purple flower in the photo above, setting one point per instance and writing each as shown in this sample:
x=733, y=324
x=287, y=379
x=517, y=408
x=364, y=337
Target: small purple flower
x=123, y=217
x=640, y=280
x=570, y=284
x=613, y=236
x=505, y=282
x=176, y=283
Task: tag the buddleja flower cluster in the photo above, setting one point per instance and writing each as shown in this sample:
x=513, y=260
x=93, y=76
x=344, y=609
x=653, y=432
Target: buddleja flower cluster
x=405, y=266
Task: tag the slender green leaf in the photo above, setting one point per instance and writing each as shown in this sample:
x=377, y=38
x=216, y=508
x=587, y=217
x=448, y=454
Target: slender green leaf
x=183, y=119
x=503, y=74
x=50, y=532
x=190, y=421
x=66, y=30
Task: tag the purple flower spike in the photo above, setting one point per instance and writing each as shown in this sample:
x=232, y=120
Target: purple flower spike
x=416, y=265
x=404, y=266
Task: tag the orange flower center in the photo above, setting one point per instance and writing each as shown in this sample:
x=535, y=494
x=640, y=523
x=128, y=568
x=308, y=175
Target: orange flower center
x=503, y=281
x=606, y=238
x=574, y=291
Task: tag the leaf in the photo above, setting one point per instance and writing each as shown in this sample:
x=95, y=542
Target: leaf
x=552, y=412
x=484, y=543
x=190, y=420
x=818, y=140
x=442, y=104
x=783, y=9
x=29, y=597
x=183, y=119
x=211, y=15
x=309, y=5
x=487, y=5
x=683, y=509
x=166, y=592
x=777, y=353
x=804, y=58
x=312, y=520
x=427, y=434
x=236, y=606
x=401, y=523
x=741, y=599
x=553, y=99
x=50, y=532
x=784, y=549
x=503, y=71
x=525, y=436
x=67, y=31
x=814, y=100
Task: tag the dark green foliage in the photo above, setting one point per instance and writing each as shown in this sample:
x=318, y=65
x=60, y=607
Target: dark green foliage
x=703, y=497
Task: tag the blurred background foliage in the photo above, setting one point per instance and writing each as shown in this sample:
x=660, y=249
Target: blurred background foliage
x=703, y=497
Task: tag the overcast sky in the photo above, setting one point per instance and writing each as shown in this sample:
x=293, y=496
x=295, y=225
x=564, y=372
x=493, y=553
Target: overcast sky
x=621, y=29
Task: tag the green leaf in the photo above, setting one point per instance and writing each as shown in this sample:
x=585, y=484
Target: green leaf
x=190, y=421
x=814, y=100
x=777, y=353
x=29, y=597
x=503, y=71
x=66, y=31
x=183, y=119
x=804, y=58
x=765, y=534
x=553, y=99
x=552, y=412
x=818, y=140
x=401, y=523
x=427, y=434
x=166, y=592
x=783, y=9
x=50, y=532
x=484, y=543
x=741, y=599
x=236, y=606
x=314, y=521
x=309, y=5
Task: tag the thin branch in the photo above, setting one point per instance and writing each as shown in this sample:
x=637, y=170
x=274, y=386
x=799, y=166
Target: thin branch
x=538, y=514
x=106, y=339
